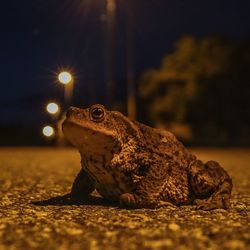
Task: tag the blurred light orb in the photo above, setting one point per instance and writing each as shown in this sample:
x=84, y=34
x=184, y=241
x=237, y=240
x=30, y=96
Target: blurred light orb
x=52, y=108
x=65, y=77
x=48, y=131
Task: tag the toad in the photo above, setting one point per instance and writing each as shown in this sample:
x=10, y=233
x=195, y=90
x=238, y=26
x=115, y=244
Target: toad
x=138, y=166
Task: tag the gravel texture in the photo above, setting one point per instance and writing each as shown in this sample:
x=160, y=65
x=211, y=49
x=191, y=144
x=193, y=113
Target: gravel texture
x=37, y=174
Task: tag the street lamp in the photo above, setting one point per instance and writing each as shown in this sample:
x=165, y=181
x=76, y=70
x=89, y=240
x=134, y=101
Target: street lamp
x=65, y=77
x=111, y=25
x=48, y=131
x=67, y=80
x=52, y=108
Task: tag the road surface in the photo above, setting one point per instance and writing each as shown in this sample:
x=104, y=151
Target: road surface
x=37, y=174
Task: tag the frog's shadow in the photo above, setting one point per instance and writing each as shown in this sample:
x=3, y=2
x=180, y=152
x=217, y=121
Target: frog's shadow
x=64, y=200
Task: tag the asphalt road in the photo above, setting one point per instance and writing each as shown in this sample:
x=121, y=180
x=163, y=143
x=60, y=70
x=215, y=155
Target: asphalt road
x=36, y=174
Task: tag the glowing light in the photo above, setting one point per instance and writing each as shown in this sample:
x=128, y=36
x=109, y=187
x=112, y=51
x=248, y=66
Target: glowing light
x=52, y=108
x=65, y=77
x=48, y=131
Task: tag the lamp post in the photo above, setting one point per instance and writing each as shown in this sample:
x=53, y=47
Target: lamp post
x=131, y=96
x=131, y=92
x=67, y=80
x=110, y=46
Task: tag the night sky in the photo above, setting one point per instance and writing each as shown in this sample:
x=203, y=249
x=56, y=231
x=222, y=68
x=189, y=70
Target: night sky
x=39, y=37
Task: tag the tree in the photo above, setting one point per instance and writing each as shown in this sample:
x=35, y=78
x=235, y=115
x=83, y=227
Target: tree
x=175, y=84
x=196, y=84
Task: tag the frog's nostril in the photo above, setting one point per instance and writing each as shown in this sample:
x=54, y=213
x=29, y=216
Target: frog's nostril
x=70, y=111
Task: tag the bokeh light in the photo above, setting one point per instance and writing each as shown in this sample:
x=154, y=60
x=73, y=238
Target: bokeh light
x=52, y=108
x=48, y=131
x=65, y=77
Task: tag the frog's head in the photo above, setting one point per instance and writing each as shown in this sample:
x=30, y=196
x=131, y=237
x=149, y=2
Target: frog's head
x=96, y=130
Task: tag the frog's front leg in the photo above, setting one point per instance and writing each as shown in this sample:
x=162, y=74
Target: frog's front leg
x=81, y=189
x=82, y=186
x=210, y=184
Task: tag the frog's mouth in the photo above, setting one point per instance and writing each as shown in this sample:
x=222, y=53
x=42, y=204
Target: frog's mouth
x=89, y=140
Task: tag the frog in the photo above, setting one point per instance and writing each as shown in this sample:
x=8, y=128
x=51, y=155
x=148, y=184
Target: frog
x=137, y=166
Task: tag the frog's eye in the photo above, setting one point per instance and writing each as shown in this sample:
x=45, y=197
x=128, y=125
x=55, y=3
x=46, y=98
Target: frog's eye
x=97, y=114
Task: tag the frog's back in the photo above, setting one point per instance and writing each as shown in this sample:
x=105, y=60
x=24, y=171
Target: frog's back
x=172, y=163
x=164, y=144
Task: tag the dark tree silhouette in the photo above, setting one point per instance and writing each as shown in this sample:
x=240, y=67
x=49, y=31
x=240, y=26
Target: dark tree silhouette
x=204, y=83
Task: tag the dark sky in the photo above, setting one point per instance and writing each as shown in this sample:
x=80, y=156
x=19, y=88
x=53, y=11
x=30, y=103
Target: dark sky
x=39, y=37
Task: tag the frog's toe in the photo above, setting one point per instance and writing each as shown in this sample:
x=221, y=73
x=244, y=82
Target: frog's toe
x=211, y=204
x=127, y=200
x=165, y=204
x=205, y=207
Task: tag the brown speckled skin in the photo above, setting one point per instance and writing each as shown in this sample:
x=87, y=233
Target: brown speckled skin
x=139, y=166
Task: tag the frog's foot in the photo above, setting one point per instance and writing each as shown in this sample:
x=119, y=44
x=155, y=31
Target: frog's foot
x=210, y=204
x=214, y=202
x=211, y=185
x=204, y=205
x=219, y=199
x=165, y=204
x=127, y=200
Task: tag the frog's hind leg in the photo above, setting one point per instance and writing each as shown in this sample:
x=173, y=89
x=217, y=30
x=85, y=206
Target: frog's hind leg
x=210, y=184
x=148, y=192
